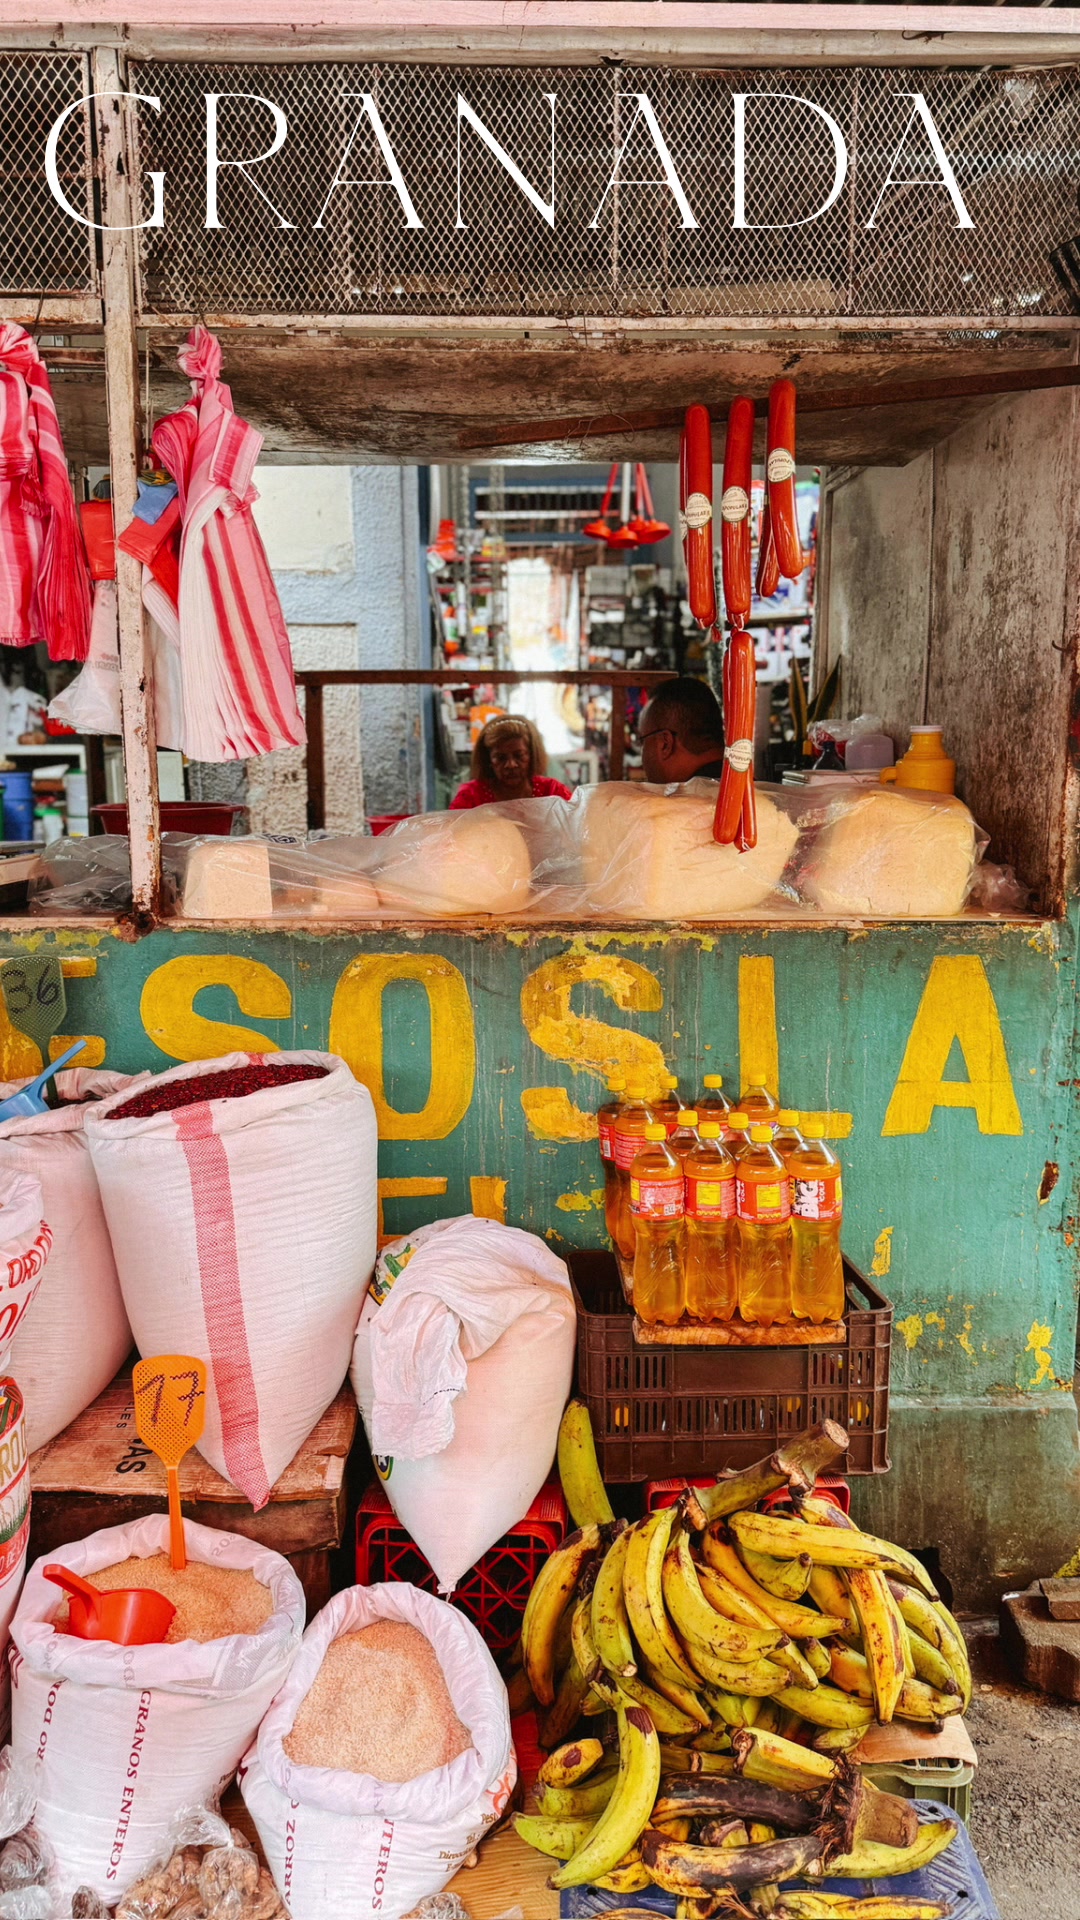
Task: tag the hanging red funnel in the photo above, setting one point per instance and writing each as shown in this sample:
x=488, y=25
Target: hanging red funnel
x=623, y=537
x=596, y=530
x=599, y=529
x=130, y=1617
x=643, y=524
x=445, y=544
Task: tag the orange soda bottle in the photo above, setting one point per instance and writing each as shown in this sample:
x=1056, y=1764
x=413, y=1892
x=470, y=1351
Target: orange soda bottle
x=605, y=1119
x=737, y=1128
x=756, y=1100
x=817, y=1268
x=763, y=1203
x=714, y=1103
x=711, y=1261
x=657, y=1207
x=629, y=1132
x=787, y=1139
x=685, y=1138
x=668, y=1106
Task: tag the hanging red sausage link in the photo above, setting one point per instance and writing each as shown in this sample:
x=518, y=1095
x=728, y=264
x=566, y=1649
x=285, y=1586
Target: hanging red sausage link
x=768, y=567
x=780, y=479
x=735, y=542
x=697, y=513
x=740, y=709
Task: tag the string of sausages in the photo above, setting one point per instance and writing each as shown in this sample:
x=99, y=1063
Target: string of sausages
x=779, y=554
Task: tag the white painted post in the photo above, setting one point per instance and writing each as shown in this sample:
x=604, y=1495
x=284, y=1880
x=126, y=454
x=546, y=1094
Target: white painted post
x=120, y=211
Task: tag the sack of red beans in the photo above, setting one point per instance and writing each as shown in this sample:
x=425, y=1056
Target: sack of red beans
x=241, y=1201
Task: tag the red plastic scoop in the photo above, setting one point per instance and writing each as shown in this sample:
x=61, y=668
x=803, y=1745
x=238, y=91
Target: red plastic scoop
x=130, y=1616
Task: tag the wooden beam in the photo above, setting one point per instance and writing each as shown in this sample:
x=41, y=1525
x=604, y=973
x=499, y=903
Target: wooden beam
x=905, y=393
x=313, y=679
x=122, y=388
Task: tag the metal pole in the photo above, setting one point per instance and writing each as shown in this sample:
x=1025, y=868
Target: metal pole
x=122, y=392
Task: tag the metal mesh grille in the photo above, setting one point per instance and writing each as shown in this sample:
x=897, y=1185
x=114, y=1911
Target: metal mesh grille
x=1012, y=141
x=42, y=249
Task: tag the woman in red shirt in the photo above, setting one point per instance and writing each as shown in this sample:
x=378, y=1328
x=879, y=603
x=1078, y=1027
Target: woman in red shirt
x=508, y=763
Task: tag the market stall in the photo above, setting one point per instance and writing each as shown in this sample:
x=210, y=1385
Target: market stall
x=413, y=1036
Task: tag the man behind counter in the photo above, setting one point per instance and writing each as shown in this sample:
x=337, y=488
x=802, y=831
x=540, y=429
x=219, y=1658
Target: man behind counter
x=681, y=734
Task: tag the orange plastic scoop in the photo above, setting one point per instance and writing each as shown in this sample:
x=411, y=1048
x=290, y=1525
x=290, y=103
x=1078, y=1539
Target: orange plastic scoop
x=170, y=1412
x=132, y=1616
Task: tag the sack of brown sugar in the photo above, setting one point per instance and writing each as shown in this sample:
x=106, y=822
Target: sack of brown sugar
x=385, y=1758
x=128, y=1735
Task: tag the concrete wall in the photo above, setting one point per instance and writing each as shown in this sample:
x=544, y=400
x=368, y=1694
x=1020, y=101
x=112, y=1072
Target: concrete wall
x=343, y=543
x=950, y=595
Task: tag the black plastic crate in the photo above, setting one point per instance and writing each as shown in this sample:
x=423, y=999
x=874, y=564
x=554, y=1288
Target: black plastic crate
x=661, y=1411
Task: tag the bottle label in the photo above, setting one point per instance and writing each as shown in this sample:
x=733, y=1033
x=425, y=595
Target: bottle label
x=763, y=1202
x=656, y=1199
x=627, y=1147
x=607, y=1140
x=710, y=1199
x=820, y=1199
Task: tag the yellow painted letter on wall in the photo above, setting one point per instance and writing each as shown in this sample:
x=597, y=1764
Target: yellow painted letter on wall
x=167, y=1006
x=356, y=1033
x=589, y=1045
x=957, y=1005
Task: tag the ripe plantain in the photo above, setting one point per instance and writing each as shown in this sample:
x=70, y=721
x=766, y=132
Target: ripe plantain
x=632, y=1691
x=569, y=1764
x=869, y=1860
x=851, y=1671
x=695, y=1618
x=838, y=1739
x=757, y=1680
x=838, y=1906
x=566, y=1709
x=557, y=1838
x=731, y=1710
x=828, y=1591
x=955, y=1652
x=687, y=1699
x=581, y=1641
x=584, y=1802
x=643, y=1590
x=547, y=1602
x=630, y=1876
x=816, y=1657
x=610, y=1623
x=784, y=1579
x=791, y=1657
x=920, y=1702
x=777, y=1762
x=627, y=1812
x=691, y=1760
x=722, y=1556
x=931, y=1666
x=579, y=1472
x=689, y=1870
x=827, y=1706
x=896, y=1561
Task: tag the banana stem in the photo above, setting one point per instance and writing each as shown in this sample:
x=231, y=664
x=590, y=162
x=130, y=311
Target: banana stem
x=797, y=1462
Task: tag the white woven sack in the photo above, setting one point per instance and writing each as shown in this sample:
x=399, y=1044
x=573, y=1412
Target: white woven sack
x=25, y=1245
x=75, y=1334
x=244, y=1232
x=495, y=1305
x=128, y=1735
x=343, y=1846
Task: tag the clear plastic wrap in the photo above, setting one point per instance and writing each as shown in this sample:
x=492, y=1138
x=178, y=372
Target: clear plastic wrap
x=208, y=1872
x=622, y=851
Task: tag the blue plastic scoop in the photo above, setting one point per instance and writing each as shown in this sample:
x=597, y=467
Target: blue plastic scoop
x=29, y=1099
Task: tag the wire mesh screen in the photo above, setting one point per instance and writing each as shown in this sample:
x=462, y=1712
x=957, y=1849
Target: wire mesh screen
x=387, y=197
x=42, y=249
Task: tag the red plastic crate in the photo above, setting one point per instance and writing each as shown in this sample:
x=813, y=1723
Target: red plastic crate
x=493, y=1593
x=664, y=1493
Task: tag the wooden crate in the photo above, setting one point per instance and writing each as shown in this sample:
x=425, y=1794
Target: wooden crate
x=97, y=1473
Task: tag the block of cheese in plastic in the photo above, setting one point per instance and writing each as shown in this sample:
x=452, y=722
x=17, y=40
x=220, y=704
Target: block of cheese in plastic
x=227, y=880
x=326, y=879
x=885, y=852
x=648, y=853
x=454, y=865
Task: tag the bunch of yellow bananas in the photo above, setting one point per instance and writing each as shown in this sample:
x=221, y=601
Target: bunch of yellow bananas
x=727, y=1642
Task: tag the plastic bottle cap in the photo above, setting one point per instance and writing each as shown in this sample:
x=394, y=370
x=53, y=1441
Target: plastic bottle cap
x=759, y=1135
x=814, y=1125
x=637, y=1089
x=788, y=1117
x=756, y=1078
x=688, y=1116
x=655, y=1133
x=927, y=729
x=710, y=1129
x=616, y=1083
x=740, y=1120
x=670, y=1079
x=713, y=1080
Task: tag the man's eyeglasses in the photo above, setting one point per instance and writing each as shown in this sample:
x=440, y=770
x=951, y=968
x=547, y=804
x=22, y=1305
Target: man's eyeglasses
x=652, y=733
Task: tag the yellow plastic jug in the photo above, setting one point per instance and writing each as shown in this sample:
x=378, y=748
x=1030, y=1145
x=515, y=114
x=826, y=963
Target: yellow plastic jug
x=925, y=765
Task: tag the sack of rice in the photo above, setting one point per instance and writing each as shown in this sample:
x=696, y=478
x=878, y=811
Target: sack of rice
x=127, y=1735
x=75, y=1334
x=253, y=1178
x=25, y=1244
x=385, y=1758
x=462, y=1364
x=14, y=1526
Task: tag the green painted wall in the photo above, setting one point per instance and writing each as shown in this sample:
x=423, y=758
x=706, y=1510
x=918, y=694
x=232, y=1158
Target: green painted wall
x=969, y=1228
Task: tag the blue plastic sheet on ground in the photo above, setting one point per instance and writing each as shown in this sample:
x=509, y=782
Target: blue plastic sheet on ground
x=954, y=1879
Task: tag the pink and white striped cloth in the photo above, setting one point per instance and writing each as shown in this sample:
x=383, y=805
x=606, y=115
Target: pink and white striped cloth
x=45, y=591
x=239, y=694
